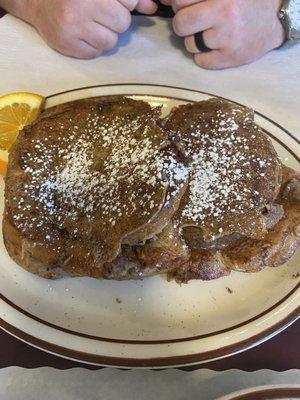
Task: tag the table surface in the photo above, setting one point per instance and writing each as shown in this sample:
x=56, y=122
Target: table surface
x=280, y=353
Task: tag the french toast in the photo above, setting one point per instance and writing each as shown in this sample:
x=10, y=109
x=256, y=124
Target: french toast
x=162, y=254
x=105, y=188
x=202, y=264
x=85, y=177
x=247, y=254
x=281, y=241
x=234, y=169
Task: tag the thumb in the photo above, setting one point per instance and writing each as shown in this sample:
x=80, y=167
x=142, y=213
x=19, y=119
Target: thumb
x=146, y=7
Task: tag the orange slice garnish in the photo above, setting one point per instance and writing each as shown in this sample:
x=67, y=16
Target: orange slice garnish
x=16, y=111
x=3, y=161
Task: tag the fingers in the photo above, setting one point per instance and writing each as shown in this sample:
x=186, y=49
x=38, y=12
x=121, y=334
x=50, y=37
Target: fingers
x=112, y=14
x=179, y=4
x=129, y=4
x=146, y=7
x=115, y=15
x=211, y=37
x=204, y=16
x=215, y=59
x=237, y=31
x=100, y=37
x=76, y=49
x=95, y=39
x=193, y=19
x=143, y=6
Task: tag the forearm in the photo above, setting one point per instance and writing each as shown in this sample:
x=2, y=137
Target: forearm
x=19, y=8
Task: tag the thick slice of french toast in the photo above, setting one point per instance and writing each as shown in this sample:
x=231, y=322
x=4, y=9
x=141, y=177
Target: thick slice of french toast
x=235, y=172
x=247, y=254
x=89, y=174
x=281, y=240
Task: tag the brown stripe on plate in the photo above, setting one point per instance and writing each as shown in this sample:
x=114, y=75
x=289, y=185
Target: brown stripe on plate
x=270, y=394
x=150, y=342
x=160, y=362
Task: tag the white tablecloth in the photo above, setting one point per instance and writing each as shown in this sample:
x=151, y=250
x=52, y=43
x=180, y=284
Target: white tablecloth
x=148, y=53
x=110, y=384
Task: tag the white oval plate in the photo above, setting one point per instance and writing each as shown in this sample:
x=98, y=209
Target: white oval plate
x=270, y=392
x=151, y=323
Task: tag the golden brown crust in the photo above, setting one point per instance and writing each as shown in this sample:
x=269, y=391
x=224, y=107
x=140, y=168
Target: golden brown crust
x=202, y=264
x=164, y=253
x=37, y=259
x=277, y=247
x=281, y=241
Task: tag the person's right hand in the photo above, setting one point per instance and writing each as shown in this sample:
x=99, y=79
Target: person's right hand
x=236, y=31
x=83, y=29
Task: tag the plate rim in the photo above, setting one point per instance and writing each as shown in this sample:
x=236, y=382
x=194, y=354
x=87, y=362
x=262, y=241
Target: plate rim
x=189, y=359
x=265, y=392
x=153, y=363
x=148, y=342
x=176, y=88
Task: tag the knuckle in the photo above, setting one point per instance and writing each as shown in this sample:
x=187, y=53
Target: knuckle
x=90, y=55
x=63, y=34
x=179, y=23
x=67, y=16
x=123, y=21
x=235, y=56
x=200, y=62
x=110, y=42
x=62, y=41
x=207, y=37
x=187, y=45
x=72, y=50
x=230, y=9
x=177, y=4
x=234, y=45
x=204, y=62
x=190, y=44
x=86, y=54
x=131, y=4
x=231, y=38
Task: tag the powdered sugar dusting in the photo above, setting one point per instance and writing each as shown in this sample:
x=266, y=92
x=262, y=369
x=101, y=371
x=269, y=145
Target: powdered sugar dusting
x=76, y=182
x=223, y=164
x=114, y=168
x=216, y=179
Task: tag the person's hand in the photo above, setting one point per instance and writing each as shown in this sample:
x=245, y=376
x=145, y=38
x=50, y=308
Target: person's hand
x=83, y=29
x=237, y=31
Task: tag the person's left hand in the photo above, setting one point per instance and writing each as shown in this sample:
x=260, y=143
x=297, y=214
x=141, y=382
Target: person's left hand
x=237, y=31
